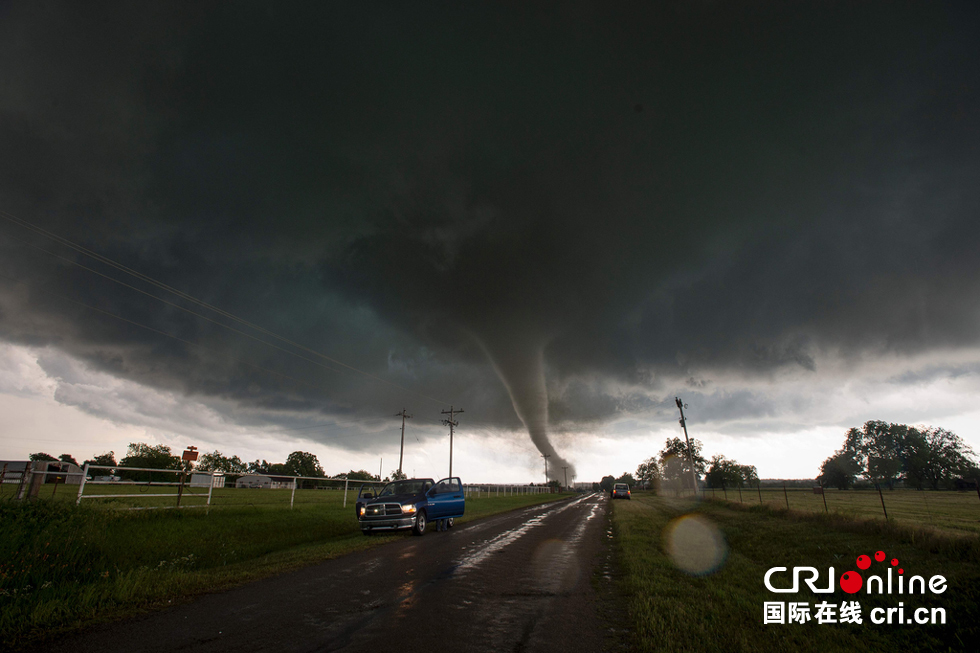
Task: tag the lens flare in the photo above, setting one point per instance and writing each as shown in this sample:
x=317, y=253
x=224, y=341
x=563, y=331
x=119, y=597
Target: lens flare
x=695, y=545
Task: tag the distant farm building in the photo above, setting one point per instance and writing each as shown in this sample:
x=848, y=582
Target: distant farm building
x=204, y=480
x=47, y=471
x=267, y=482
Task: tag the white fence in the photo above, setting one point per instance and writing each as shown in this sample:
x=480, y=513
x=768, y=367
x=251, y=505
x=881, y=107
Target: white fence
x=185, y=489
x=502, y=490
x=195, y=489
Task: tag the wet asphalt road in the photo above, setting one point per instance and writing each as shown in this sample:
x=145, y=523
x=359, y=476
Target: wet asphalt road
x=513, y=582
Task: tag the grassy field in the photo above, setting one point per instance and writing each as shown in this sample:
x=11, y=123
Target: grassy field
x=64, y=566
x=950, y=511
x=722, y=609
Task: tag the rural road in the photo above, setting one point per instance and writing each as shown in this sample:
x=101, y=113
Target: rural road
x=514, y=582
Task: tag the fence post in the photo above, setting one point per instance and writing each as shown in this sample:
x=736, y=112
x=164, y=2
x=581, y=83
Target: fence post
x=81, y=486
x=210, y=490
x=823, y=493
x=25, y=480
x=786, y=495
x=758, y=488
x=724, y=489
x=293, y=494
x=740, y=494
x=882, y=497
x=180, y=488
x=345, y=491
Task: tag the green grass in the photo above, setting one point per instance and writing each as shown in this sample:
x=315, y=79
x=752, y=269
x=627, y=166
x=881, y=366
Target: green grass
x=944, y=510
x=63, y=567
x=670, y=610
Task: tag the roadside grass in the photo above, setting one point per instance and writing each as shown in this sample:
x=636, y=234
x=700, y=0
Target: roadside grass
x=671, y=610
x=64, y=567
x=946, y=510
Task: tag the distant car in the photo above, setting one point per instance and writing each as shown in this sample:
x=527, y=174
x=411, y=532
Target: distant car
x=621, y=491
x=411, y=503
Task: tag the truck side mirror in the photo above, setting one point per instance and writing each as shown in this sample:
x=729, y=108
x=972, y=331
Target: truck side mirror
x=367, y=495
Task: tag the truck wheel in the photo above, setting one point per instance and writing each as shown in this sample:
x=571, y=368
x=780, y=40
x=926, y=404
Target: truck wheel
x=450, y=522
x=420, y=523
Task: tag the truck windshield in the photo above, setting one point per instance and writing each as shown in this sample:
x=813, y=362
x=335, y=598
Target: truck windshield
x=402, y=487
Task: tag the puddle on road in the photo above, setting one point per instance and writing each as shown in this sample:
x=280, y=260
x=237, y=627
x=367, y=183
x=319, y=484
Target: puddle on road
x=499, y=542
x=555, y=568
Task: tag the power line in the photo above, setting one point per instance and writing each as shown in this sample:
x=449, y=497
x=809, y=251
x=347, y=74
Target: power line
x=139, y=275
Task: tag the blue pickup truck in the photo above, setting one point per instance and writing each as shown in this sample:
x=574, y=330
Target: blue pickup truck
x=411, y=503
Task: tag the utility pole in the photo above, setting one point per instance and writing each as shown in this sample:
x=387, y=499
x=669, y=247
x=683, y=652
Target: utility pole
x=401, y=455
x=451, y=423
x=690, y=456
x=565, y=469
x=546, y=456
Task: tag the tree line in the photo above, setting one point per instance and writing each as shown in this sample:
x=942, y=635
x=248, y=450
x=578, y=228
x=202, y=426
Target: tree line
x=143, y=455
x=671, y=469
x=889, y=454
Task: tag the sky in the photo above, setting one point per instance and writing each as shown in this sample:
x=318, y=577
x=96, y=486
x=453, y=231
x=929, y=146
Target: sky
x=260, y=228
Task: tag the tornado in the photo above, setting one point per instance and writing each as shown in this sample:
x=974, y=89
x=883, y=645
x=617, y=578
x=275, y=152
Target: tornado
x=520, y=365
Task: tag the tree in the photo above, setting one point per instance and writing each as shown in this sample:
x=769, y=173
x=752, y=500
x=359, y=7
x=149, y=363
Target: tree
x=265, y=467
x=729, y=473
x=934, y=456
x=361, y=475
x=674, y=463
x=648, y=474
x=607, y=482
x=140, y=454
x=627, y=478
x=42, y=456
x=840, y=470
x=216, y=461
x=398, y=476
x=886, y=453
x=303, y=463
x=107, y=459
x=68, y=458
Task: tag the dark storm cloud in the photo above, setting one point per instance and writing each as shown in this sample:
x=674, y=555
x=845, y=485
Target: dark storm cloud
x=632, y=194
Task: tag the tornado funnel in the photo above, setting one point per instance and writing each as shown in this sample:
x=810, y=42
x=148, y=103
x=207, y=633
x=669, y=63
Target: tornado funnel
x=520, y=365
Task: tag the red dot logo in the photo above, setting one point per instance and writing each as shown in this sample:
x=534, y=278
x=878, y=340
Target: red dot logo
x=901, y=571
x=894, y=562
x=851, y=582
x=863, y=562
x=880, y=556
